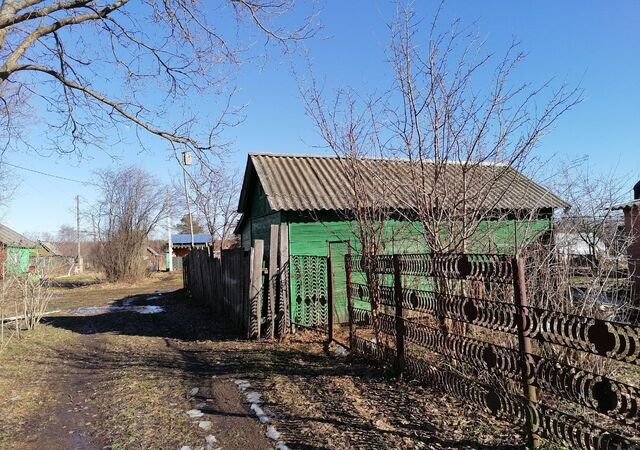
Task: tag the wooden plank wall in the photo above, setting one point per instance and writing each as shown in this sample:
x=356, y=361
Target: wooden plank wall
x=238, y=288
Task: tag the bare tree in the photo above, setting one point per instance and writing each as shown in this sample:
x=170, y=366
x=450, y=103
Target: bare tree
x=132, y=203
x=213, y=191
x=67, y=233
x=98, y=66
x=7, y=186
x=462, y=125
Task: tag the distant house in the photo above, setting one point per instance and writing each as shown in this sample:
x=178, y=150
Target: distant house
x=155, y=261
x=313, y=196
x=15, y=250
x=181, y=243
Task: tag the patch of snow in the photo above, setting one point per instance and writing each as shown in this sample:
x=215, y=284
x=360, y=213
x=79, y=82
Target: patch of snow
x=91, y=310
x=340, y=350
x=254, y=397
x=193, y=413
x=272, y=433
x=242, y=384
x=211, y=439
x=185, y=447
x=262, y=417
x=194, y=391
x=205, y=425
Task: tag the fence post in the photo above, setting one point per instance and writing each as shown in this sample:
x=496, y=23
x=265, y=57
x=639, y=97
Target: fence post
x=283, y=242
x=524, y=348
x=397, y=296
x=255, y=289
x=272, y=279
x=349, y=269
x=330, y=300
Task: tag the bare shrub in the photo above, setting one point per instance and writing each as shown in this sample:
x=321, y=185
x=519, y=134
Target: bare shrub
x=24, y=299
x=132, y=203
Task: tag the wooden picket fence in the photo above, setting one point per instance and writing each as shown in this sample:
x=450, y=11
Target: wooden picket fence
x=248, y=288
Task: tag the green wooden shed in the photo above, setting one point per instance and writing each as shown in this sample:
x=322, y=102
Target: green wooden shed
x=15, y=250
x=313, y=196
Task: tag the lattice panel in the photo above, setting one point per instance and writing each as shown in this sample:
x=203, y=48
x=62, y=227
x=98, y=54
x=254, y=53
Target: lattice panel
x=309, y=276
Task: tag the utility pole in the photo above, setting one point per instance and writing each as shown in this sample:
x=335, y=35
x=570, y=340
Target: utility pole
x=79, y=259
x=170, y=244
x=186, y=160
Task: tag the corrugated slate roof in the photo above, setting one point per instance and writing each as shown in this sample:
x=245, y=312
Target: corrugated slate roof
x=12, y=238
x=307, y=183
x=185, y=239
x=626, y=205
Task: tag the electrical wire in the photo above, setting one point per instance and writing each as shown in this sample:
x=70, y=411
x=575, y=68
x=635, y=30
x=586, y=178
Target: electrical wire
x=47, y=174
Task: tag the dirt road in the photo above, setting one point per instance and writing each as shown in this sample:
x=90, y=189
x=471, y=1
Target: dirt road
x=153, y=371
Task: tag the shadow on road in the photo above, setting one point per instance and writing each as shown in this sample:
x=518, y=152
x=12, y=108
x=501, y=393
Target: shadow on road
x=199, y=346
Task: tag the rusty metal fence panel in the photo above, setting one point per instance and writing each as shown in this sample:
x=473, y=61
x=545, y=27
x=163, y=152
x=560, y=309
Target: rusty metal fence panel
x=460, y=323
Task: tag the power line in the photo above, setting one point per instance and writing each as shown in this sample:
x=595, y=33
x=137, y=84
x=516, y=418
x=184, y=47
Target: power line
x=47, y=174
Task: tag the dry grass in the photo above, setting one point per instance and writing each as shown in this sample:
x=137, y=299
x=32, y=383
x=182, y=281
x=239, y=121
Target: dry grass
x=27, y=367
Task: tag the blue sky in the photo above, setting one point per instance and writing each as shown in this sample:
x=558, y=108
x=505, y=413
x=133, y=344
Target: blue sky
x=594, y=44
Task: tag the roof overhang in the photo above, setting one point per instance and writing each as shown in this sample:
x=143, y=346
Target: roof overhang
x=626, y=205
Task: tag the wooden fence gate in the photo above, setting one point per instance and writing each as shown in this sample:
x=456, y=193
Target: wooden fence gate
x=248, y=288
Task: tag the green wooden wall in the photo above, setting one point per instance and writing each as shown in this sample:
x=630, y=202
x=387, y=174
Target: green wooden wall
x=314, y=238
x=18, y=259
x=313, y=234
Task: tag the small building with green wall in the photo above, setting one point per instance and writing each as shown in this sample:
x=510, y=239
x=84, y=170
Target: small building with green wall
x=314, y=197
x=15, y=250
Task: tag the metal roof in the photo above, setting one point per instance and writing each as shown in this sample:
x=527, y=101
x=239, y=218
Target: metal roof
x=185, y=239
x=307, y=183
x=12, y=238
x=626, y=205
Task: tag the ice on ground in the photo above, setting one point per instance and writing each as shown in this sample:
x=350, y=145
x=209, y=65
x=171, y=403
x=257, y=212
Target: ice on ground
x=91, y=310
x=254, y=397
x=242, y=384
x=193, y=413
x=205, y=425
x=340, y=350
x=262, y=417
x=272, y=433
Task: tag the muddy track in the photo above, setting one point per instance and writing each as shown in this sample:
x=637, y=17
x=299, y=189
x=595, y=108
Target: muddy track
x=73, y=422
x=75, y=414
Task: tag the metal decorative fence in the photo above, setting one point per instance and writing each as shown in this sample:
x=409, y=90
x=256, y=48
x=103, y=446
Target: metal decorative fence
x=310, y=291
x=461, y=323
